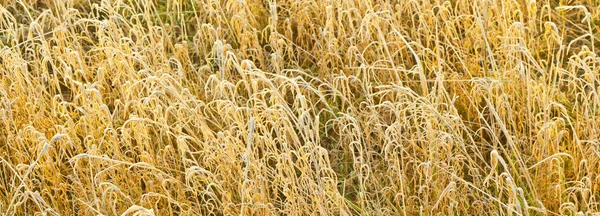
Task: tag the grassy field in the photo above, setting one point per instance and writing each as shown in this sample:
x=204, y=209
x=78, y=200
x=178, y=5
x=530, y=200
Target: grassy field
x=299, y=107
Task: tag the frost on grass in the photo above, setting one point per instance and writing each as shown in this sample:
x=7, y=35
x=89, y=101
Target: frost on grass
x=338, y=107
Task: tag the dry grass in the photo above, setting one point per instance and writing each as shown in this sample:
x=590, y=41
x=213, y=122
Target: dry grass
x=299, y=107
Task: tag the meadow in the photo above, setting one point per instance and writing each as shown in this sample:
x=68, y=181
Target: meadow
x=299, y=107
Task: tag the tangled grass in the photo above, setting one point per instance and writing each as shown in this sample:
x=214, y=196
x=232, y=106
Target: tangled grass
x=299, y=107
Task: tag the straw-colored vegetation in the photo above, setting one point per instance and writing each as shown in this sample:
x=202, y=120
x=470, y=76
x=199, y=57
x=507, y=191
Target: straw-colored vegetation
x=299, y=107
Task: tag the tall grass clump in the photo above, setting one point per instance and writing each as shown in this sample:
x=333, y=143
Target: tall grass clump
x=299, y=107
